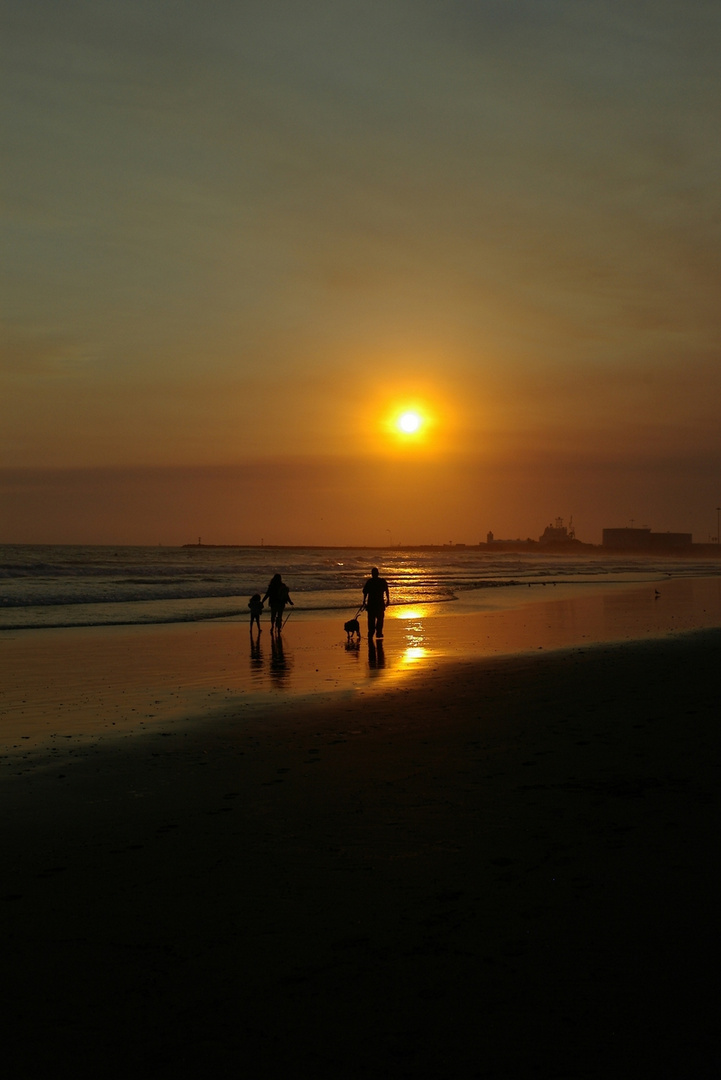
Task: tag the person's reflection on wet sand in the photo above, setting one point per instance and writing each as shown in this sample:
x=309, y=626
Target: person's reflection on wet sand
x=376, y=656
x=279, y=664
x=257, y=663
x=256, y=656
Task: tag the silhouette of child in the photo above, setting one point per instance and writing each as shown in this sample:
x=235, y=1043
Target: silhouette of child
x=256, y=606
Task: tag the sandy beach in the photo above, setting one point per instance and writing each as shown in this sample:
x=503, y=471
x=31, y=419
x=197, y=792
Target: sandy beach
x=311, y=304
x=489, y=852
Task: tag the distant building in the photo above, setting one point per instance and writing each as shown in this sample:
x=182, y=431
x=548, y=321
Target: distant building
x=509, y=545
x=645, y=540
x=627, y=539
x=669, y=541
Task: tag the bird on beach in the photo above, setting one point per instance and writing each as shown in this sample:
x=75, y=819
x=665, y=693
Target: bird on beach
x=657, y=594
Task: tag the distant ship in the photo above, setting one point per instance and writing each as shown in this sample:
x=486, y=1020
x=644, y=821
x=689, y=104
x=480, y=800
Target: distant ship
x=557, y=535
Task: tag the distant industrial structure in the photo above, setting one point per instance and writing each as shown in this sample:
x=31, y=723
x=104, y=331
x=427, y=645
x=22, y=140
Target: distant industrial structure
x=558, y=538
x=643, y=540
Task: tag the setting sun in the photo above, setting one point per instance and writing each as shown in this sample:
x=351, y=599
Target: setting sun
x=409, y=422
x=415, y=420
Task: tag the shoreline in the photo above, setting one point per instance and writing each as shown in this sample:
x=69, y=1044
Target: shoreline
x=85, y=683
x=498, y=547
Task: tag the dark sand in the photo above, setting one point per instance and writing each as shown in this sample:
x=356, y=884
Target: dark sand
x=506, y=867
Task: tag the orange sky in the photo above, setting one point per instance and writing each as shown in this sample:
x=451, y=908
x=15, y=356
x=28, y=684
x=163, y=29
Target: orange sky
x=239, y=239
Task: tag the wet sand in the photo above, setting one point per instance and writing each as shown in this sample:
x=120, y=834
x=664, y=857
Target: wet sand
x=454, y=866
x=91, y=686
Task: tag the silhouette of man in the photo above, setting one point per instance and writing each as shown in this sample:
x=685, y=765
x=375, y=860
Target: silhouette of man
x=376, y=599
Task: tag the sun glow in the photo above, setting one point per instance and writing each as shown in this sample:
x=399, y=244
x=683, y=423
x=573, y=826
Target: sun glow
x=413, y=422
x=410, y=613
x=409, y=422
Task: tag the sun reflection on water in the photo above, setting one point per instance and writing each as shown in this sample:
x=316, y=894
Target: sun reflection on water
x=410, y=613
x=413, y=654
x=415, y=648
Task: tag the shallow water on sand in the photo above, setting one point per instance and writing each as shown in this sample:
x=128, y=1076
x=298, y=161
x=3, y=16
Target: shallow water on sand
x=63, y=689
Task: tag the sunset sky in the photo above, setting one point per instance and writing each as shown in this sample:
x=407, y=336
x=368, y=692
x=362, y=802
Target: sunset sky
x=241, y=237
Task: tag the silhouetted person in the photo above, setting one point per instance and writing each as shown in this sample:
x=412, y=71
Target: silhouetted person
x=256, y=606
x=376, y=599
x=277, y=595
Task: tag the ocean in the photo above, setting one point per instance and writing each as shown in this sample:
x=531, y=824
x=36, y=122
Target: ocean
x=62, y=586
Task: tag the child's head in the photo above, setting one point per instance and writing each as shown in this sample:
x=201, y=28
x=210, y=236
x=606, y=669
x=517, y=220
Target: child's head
x=255, y=598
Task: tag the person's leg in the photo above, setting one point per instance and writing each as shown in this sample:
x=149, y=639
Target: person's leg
x=379, y=623
x=371, y=623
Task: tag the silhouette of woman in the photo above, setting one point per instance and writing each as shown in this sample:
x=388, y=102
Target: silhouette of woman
x=277, y=595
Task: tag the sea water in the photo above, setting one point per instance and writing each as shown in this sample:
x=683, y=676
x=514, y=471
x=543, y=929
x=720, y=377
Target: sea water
x=62, y=586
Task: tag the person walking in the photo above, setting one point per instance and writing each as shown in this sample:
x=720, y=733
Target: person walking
x=376, y=598
x=256, y=607
x=278, y=595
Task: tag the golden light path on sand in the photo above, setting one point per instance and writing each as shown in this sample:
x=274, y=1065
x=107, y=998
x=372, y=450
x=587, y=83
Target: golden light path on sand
x=65, y=687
